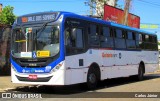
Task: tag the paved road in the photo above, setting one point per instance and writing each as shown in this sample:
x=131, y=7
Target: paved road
x=151, y=83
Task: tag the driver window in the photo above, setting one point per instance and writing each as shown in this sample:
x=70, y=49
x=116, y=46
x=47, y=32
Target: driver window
x=74, y=40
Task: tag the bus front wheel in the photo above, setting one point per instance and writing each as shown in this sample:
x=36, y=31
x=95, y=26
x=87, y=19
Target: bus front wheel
x=92, y=78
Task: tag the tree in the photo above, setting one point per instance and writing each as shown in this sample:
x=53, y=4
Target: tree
x=7, y=16
x=98, y=6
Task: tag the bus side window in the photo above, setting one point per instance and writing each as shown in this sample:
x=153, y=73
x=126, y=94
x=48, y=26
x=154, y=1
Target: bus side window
x=131, y=44
x=120, y=39
x=139, y=42
x=106, y=38
x=74, y=41
x=151, y=44
x=142, y=44
x=93, y=32
x=77, y=38
x=154, y=41
x=147, y=43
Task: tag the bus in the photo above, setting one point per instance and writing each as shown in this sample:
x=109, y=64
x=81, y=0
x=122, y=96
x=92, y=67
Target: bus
x=63, y=48
x=5, y=31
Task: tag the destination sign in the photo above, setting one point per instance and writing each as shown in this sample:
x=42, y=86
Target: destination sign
x=38, y=18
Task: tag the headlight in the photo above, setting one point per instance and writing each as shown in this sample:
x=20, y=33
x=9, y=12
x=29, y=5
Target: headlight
x=57, y=67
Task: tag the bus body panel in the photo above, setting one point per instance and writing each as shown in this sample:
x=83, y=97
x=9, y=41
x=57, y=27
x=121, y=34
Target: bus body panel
x=128, y=67
x=73, y=74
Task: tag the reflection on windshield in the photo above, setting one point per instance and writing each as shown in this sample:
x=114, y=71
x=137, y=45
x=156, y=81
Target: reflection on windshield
x=44, y=43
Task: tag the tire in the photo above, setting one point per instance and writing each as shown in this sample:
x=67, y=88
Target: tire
x=140, y=75
x=92, y=79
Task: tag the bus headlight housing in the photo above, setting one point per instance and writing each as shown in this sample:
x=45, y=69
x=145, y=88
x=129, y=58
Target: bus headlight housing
x=57, y=67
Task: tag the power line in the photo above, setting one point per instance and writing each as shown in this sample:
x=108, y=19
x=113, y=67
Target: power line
x=151, y=3
x=31, y=1
x=150, y=23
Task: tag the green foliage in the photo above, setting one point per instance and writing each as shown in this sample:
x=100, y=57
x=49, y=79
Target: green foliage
x=7, y=16
x=158, y=43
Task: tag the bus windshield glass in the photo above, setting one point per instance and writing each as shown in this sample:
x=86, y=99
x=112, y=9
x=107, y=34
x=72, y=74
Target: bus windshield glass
x=35, y=42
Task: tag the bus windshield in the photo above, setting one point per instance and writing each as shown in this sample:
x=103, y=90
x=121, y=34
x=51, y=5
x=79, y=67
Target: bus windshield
x=35, y=42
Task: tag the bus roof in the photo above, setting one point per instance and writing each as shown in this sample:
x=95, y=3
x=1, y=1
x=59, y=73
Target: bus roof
x=54, y=15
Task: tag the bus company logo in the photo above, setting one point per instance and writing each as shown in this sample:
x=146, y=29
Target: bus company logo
x=23, y=71
x=48, y=68
x=6, y=95
x=32, y=70
x=108, y=55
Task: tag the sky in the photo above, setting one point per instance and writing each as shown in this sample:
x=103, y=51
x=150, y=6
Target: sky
x=148, y=10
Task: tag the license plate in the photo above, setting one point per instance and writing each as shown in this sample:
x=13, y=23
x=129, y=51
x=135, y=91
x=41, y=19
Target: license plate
x=33, y=77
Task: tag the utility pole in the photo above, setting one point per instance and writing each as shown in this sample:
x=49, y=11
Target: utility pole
x=126, y=11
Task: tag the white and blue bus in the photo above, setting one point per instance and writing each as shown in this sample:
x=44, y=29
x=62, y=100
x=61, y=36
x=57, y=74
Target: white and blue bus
x=62, y=48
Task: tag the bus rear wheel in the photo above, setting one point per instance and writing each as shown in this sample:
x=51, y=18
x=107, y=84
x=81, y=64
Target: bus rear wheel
x=140, y=75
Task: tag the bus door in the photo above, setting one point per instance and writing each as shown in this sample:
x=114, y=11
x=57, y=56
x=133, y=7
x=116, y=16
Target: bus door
x=75, y=50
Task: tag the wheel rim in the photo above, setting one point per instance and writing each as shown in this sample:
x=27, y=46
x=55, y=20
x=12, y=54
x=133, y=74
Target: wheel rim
x=92, y=78
x=140, y=74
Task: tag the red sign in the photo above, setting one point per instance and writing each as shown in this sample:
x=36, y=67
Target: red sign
x=116, y=15
x=33, y=77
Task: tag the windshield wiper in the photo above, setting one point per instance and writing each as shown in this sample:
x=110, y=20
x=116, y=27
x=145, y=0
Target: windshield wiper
x=42, y=28
x=39, y=31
